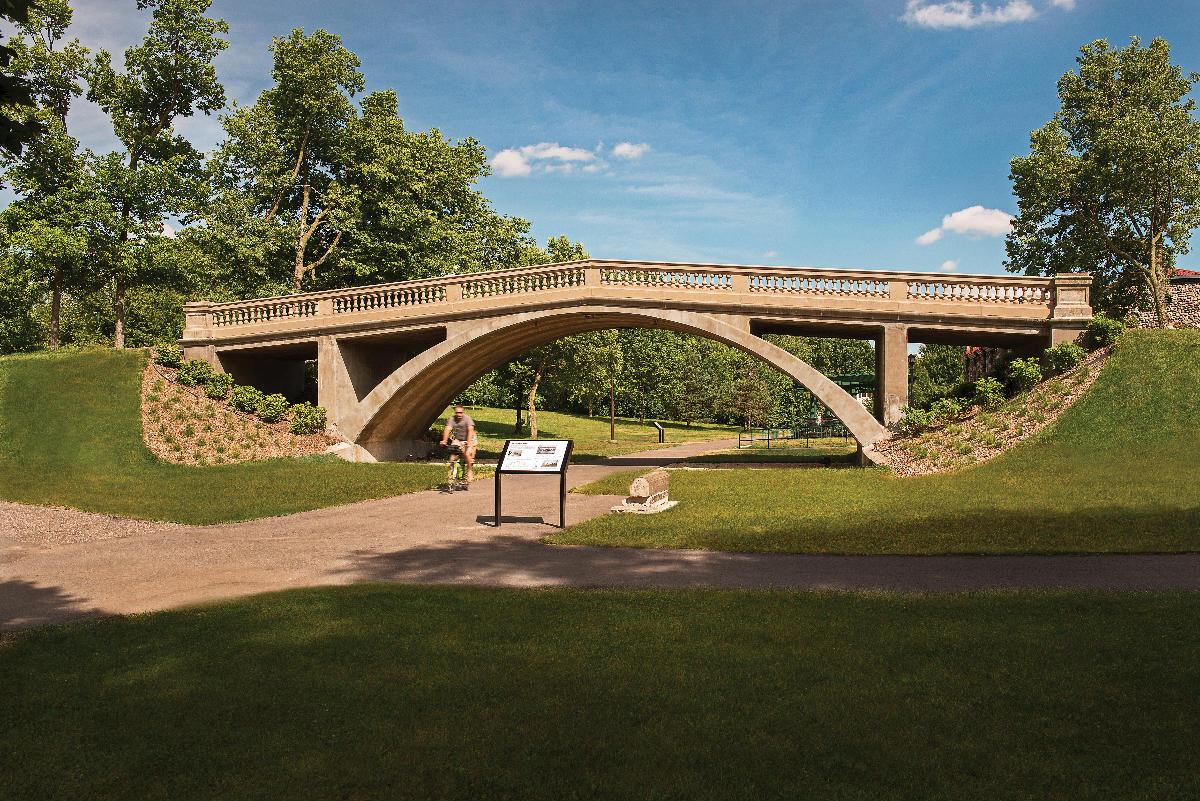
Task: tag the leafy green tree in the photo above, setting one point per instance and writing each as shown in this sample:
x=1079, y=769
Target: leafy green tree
x=753, y=401
x=157, y=173
x=694, y=390
x=280, y=173
x=937, y=371
x=46, y=225
x=18, y=123
x=1111, y=185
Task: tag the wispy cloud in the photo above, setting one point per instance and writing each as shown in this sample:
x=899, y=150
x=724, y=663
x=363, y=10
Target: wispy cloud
x=968, y=14
x=974, y=221
x=949, y=266
x=628, y=150
x=546, y=156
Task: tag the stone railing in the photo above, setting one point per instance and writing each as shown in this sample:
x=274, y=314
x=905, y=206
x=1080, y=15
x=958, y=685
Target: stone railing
x=1061, y=296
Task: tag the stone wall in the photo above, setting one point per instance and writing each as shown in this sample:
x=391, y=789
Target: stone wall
x=1183, y=305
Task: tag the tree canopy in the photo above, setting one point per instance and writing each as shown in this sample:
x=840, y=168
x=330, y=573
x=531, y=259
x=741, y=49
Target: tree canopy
x=1111, y=185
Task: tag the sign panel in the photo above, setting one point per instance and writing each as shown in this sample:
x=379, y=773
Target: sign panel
x=534, y=456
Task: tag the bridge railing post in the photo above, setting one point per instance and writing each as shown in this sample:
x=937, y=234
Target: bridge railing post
x=1072, y=296
x=898, y=289
x=197, y=318
x=454, y=291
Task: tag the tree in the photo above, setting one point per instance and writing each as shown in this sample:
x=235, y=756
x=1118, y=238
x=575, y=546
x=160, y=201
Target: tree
x=694, y=389
x=281, y=168
x=1112, y=183
x=46, y=224
x=753, y=400
x=18, y=123
x=936, y=372
x=158, y=173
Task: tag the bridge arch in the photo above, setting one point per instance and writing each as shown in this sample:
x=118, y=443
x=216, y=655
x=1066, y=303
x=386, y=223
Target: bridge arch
x=405, y=403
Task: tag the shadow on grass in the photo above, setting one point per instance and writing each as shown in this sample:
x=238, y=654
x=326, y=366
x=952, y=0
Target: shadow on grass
x=508, y=560
x=24, y=605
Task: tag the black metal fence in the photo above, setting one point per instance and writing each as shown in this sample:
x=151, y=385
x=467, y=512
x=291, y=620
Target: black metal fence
x=813, y=429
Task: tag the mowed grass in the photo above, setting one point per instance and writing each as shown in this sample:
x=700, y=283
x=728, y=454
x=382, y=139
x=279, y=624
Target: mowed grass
x=590, y=434
x=70, y=435
x=377, y=691
x=1119, y=471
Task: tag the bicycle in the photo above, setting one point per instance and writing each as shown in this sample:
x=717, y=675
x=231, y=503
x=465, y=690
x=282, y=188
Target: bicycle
x=456, y=476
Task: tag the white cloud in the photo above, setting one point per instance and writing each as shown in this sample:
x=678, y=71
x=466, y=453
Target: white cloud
x=966, y=14
x=628, y=150
x=973, y=221
x=546, y=156
x=510, y=163
x=770, y=254
x=1066, y=5
x=593, y=168
x=949, y=266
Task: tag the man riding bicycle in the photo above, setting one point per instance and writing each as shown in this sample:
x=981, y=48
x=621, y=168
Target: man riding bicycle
x=462, y=428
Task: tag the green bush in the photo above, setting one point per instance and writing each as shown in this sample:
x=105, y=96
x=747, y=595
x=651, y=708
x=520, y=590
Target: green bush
x=168, y=354
x=1024, y=374
x=988, y=392
x=194, y=372
x=915, y=419
x=246, y=399
x=218, y=386
x=1104, y=330
x=1063, y=356
x=307, y=419
x=272, y=408
x=946, y=409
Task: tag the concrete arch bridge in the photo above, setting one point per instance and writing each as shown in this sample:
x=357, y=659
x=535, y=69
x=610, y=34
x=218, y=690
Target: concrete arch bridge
x=391, y=356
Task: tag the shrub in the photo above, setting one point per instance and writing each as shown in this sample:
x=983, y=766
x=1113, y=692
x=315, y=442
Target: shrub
x=168, y=354
x=1024, y=374
x=988, y=392
x=218, y=386
x=946, y=409
x=194, y=372
x=307, y=419
x=246, y=399
x=1104, y=330
x=272, y=408
x=915, y=419
x=1063, y=356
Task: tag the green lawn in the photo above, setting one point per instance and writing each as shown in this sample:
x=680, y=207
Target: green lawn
x=70, y=435
x=1119, y=471
x=837, y=449
x=379, y=691
x=590, y=434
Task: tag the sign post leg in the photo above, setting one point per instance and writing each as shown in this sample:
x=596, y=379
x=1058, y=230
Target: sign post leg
x=497, y=497
x=562, y=499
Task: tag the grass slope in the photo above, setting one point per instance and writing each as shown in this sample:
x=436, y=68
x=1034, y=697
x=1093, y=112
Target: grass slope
x=1118, y=472
x=414, y=692
x=70, y=435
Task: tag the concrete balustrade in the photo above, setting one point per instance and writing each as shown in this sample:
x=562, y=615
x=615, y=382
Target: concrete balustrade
x=392, y=355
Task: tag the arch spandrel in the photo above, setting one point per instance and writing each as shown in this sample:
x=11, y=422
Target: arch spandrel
x=409, y=400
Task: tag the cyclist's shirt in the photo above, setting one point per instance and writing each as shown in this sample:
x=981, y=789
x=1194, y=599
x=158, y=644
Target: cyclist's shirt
x=460, y=428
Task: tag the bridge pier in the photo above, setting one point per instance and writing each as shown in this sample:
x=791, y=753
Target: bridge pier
x=891, y=373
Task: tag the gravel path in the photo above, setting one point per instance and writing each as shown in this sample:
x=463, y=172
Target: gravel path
x=58, y=565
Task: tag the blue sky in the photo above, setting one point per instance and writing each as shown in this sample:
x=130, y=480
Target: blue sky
x=837, y=133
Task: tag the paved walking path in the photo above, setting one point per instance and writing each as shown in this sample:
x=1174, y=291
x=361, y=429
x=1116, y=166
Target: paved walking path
x=60, y=565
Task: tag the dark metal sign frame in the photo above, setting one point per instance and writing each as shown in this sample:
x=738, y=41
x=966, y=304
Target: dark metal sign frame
x=562, y=477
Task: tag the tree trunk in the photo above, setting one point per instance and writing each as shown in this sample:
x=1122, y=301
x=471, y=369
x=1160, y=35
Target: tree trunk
x=642, y=418
x=1158, y=288
x=55, y=307
x=537, y=377
x=119, y=308
x=612, y=409
x=520, y=392
x=299, y=272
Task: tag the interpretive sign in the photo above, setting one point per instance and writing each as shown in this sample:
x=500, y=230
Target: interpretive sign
x=536, y=456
